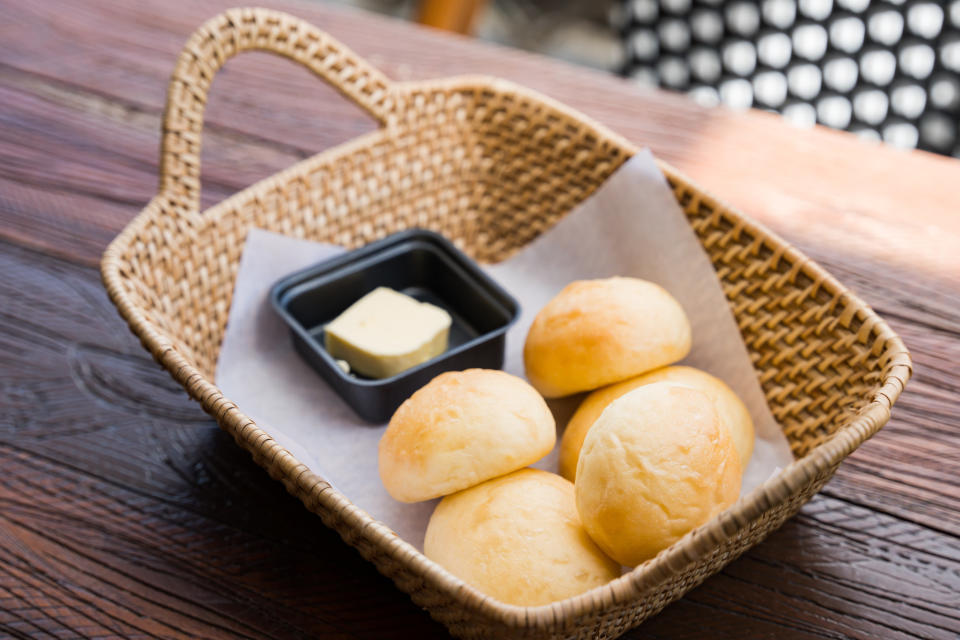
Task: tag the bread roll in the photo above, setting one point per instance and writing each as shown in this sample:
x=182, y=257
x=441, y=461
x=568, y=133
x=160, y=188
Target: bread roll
x=656, y=464
x=733, y=413
x=461, y=428
x=597, y=332
x=519, y=539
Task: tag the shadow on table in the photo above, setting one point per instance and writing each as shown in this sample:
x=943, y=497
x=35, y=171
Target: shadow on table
x=309, y=572
x=300, y=569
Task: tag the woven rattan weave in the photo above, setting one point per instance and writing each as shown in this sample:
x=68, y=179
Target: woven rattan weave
x=490, y=165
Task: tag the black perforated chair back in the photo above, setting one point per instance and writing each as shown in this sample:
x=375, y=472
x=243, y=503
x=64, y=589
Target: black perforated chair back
x=884, y=69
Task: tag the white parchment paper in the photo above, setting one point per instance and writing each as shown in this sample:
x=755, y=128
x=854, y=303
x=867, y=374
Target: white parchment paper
x=631, y=226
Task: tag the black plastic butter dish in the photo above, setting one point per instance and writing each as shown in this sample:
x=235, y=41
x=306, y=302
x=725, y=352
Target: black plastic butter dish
x=421, y=264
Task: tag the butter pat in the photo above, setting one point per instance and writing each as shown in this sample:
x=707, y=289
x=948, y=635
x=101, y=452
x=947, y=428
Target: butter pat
x=386, y=332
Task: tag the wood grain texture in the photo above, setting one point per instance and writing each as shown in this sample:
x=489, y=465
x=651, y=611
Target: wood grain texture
x=120, y=496
x=794, y=179
x=125, y=512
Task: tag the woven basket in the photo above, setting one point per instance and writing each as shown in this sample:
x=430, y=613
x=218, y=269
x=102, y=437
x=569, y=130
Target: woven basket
x=490, y=165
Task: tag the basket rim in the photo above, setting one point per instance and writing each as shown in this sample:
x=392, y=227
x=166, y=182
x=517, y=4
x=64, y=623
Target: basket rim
x=315, y=491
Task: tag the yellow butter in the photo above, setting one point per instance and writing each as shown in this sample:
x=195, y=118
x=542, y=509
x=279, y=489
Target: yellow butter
x=386, y=332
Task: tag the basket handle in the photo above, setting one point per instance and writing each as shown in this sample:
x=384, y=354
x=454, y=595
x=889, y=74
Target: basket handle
x=221, y=38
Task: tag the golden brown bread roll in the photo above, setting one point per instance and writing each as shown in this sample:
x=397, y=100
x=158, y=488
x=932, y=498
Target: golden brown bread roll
x=519, y=539
x=597, y=332
x=733, y=413
x=461, y=428
x=656, y=464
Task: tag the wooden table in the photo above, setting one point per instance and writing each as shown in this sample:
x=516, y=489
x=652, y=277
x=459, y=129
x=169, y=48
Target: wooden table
x=125, y=511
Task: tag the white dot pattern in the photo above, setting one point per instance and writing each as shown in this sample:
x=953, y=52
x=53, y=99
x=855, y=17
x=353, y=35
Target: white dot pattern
x=804, y=81
x=674, y=35
x=705, y=65
x=673, y=72
x=743, y=18
x=834, y=111
x=816, y=9
x=866, y=133
x=884, y=69
x=871, y=106
x=841, y=74
x=775, y=49
x=945, y=92
x=886, y=27
x=800, y=114
x=847, y=33
x=770, y=88
x=740, y=57
x=810, y=41
x=856, y=6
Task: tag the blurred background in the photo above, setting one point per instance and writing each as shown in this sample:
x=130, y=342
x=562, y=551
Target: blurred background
x=886, y=70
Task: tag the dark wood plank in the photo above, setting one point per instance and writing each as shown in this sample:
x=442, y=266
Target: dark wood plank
x=829, y=573
x=72, y=201
x=818, y=181
x=75, y=167
x=115, y=484
x=97, y=180
x=125, y=511
x=911, y=467
x=837, y=570
x=102, y=559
